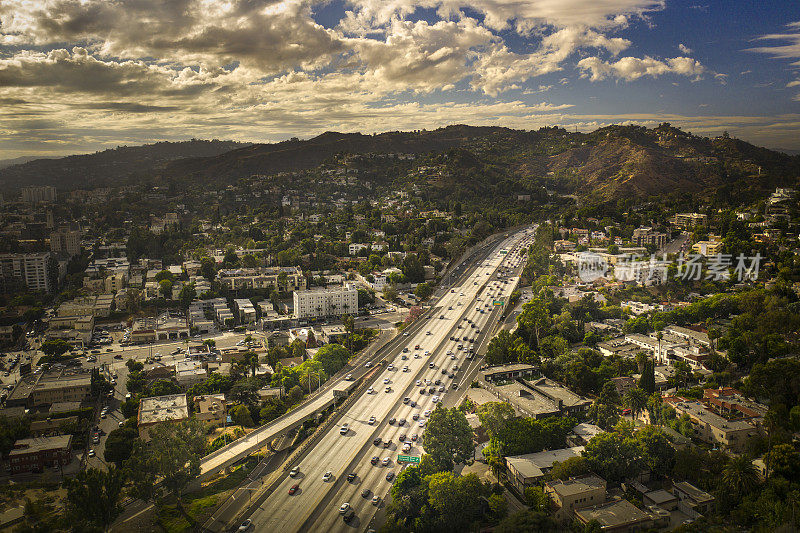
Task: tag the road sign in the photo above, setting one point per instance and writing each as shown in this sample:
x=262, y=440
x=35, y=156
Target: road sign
x=407, y=459
x=497, y=302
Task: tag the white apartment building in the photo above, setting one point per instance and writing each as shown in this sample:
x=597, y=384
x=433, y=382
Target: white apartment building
x=36, y=195
x=322, y=302
x=28, y=269
x=356, y=247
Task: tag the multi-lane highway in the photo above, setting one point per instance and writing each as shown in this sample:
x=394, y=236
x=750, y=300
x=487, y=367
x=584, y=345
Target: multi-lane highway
x=433, y=357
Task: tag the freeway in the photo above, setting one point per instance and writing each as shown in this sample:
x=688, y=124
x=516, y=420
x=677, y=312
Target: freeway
x=429, y=352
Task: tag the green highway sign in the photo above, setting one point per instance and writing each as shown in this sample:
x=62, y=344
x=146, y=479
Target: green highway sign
x=498, y=302
x=407, y=459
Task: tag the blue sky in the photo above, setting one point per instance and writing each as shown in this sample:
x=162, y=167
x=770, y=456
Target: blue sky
x=82, y=76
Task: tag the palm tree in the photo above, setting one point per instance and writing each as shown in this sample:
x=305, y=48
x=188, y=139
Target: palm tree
x=635, y=400
x=740, y=476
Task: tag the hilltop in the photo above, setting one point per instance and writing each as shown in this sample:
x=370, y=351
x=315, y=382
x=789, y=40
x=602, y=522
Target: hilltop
x=609, y=163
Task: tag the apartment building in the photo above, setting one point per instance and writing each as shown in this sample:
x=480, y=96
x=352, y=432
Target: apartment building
x=734, y=434
x=245, y=311
x=211, y=409
x=646, y=235
x=47, y=388
x=64, y=241
x=37, y=453
x=708, y=248
x=322, y=302
x=689, y=220
x=262, y=278
x=34, y=271
x=575, y=493
x=39, y=195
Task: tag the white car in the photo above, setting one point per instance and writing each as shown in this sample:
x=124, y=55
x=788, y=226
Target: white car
x=406, y=447
x=405, y=368
x=390, y=367
x=371, y=420
x=343, y=509
x=385, y=381
x=368, y=364
x=419, y=383
x=344, y=429
x=435, y=399
x=327, y=476
x=370, y=390
x=386, y=461
x=427, y=413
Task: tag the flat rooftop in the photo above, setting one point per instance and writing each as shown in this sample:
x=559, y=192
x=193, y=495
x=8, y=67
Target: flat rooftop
x=613, y=514
x=40, y=444
x=163, y=409
x=533, y=464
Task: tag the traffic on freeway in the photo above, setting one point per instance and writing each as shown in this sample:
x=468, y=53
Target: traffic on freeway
x=356, y=461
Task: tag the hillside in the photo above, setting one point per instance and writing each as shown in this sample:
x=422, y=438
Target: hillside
x=109, y=167
x=470, y=162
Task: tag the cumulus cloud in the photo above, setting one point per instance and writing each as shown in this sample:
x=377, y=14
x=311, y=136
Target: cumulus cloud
x=684, y=49
x=632, y=68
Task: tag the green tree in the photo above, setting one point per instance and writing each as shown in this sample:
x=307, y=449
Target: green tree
x=494, y=417
x=333, y=357
x=455, y=499
x=390, y=293
x=423, y=291
x=55, y=347
x=656, y=451
x=528, y=521
x=271, y=409
x=119, y=445
x=614, y=456
x=740, y=476
x=448, y=435
x=647, y=381
x=605, y=409
x=93, y=497
x=636, y=400
x=537, y=499
x=240, y=415
x=187, y=295
x=572, y=467
x=165, y=288
x=784, y=461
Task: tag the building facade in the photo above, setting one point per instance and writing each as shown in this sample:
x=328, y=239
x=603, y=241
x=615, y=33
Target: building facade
x=324, y=302
x=33, y=271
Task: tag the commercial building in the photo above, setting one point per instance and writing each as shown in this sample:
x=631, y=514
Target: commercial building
x=37, y=453
x=507, y=372
x=539, y=398
x=323, y=302
x=165, y=327
x=39, y=195
x=529, y=469
x=46, y=388
x=708, y=248
x=262, y=278
x=33, y=271
x=171, y=408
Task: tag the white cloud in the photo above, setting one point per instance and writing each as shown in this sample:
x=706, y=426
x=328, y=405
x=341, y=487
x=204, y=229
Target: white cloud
x=684, y=49
x=632, y=68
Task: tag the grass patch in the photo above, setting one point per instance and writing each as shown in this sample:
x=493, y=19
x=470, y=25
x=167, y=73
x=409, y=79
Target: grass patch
x=199, y=505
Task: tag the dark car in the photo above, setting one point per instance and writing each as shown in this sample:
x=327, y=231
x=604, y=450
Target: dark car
x=390, y=476
x=387, y=443
x=392, y=420
x=365, y=493
x=402, y=437
x=374, y=460
x=294, y=488
x=422, y=391
x=438, y=382
x=401, y=422
x=415, y=416
x=351, y=476
x=377, y=441
x=432, y=389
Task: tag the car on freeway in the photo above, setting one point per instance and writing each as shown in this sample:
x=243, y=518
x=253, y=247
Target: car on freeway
x=91, y=453
x=349, y=377
x=370, y=390
x=293, y=489
x=390, y=476
x=376, y=500
x=405, y=368
x=388, y=389
x=344, y=429
x=247, y=525
x=351, y=476
x=413, y=403
x=414, y=437
x=294, y=471
x=419, y=382
x=387, y=443
x=390, y=367
x=392, y=421
x=371, y=420
x=368, y=364
x=374, y=460
x=415, y=416
x=422, y=391
x=385, y=381
x=406, y=447
x=365, y=493
x=327, y=476
x=386, y=461
x=344, y=507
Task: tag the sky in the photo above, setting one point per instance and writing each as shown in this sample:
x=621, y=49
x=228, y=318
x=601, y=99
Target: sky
x=83, y=75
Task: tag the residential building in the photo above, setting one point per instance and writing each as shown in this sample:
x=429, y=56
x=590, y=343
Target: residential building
x=262, y=278
x=37, y=453
x=616, y=516
x=171, y=408
x=65, y=241
x=33, y=271
x=188, y=372
x=646, y=235
x=575, y=493
x=691, y=500
x=689, y=220
x=39, y=195
x=733, y=434
x=708, y=248
x=529, y=469
x=46, y=388
x=355, y=247
x=211, y=409
x=245, y=312
x=539, y=398
x=323, y=302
